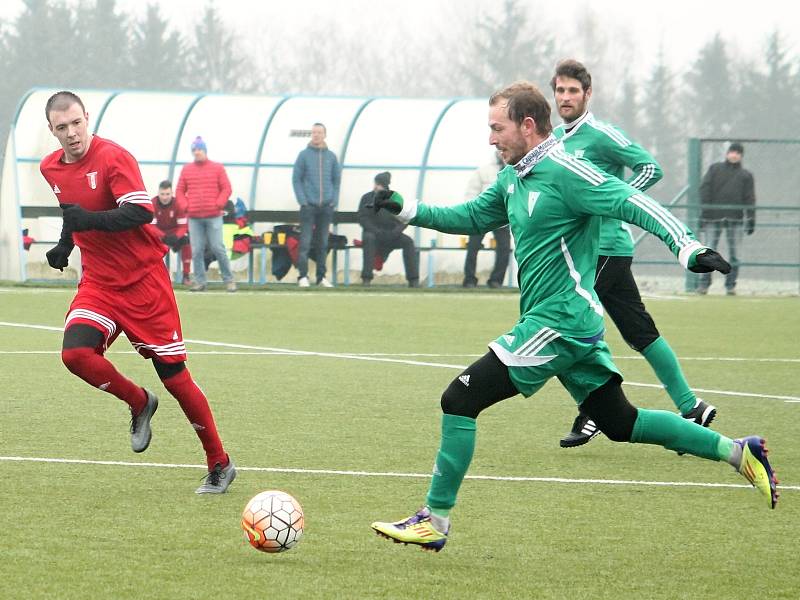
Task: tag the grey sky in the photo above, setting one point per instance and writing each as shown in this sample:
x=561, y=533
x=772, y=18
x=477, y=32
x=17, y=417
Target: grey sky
x=678, y=27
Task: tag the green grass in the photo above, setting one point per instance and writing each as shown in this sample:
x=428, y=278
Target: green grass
x=106, y=531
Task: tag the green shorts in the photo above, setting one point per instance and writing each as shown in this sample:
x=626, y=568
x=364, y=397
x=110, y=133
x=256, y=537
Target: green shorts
x=534, y=353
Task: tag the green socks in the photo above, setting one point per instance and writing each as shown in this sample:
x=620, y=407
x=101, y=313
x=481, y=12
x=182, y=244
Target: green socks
x=672, y=431
x=452, y=462
x=665, y=364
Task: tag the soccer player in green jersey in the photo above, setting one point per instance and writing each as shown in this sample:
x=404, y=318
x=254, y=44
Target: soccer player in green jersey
x=609, y=149
x=552, y=202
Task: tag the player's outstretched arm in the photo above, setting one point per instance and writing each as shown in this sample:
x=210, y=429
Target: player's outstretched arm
x=125, y=217
x=485, y=213
x=595, y=193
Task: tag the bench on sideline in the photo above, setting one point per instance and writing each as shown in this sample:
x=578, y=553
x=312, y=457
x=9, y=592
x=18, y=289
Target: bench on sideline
x=282, y=217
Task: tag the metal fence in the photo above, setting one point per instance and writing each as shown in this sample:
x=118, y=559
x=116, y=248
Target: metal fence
x=769, y=258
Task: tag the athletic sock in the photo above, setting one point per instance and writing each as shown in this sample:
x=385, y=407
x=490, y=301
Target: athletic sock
x=96, y=370
x=452, y=462
x=441, y=523
x=672, y=431
x=668, y=370
x=730, y=451
x=195, y=407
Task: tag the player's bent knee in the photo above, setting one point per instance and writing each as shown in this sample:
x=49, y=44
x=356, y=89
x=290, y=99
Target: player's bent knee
x=75, y=358
x=456, y=400
x=608, y=407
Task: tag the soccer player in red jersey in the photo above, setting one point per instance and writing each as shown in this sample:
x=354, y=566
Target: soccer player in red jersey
x=125, y=285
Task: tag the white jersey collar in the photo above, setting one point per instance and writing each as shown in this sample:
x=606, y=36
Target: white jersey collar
x=571, y=128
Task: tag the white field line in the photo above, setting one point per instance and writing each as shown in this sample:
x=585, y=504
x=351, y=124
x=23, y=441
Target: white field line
x=399, y=361
x=348, y=473
x=423, y=355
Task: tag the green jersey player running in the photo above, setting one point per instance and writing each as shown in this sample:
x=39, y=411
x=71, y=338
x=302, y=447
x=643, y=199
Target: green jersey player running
x=552, y=202
x=610, y=150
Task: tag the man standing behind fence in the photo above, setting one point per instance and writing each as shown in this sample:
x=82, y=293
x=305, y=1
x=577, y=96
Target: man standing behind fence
x=204, y=189
x=726, y=186
x=316, y=178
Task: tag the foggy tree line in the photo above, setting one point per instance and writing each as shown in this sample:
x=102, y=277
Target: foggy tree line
x=95, y=44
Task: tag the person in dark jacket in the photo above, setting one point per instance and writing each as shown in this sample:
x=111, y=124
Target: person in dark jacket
x=382, y=233
x=726, y=187
x=316, y=177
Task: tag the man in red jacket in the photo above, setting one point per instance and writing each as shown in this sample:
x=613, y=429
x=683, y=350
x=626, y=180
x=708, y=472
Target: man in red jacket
x=170, y=218
x=203, y=188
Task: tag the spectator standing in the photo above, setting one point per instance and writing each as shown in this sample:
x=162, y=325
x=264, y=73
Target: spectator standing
x=727, y=186
x=316, y=177
x=482, y=178
x=170, y=218
x=382, y=233
x=204, y=189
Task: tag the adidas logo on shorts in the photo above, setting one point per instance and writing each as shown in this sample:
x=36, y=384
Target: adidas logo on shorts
x=464, y=379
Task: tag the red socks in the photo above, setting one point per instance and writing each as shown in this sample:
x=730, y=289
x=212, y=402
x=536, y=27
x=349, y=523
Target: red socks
x=186, y=259
x=195, y=407
x=97, y=371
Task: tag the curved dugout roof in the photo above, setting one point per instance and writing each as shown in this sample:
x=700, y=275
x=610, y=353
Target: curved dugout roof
x=430, y=146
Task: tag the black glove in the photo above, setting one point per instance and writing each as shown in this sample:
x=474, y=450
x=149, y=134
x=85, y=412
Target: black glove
x=76, y=218
x=750, y=226
x=182, y=241
x=389, y=200
x=58, y=256
x=708, y=261
x=170, y=240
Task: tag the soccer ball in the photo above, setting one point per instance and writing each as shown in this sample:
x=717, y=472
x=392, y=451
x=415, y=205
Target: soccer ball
x=272, y=521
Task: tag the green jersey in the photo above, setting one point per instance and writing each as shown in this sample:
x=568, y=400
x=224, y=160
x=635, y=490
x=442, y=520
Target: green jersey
x=552, y=201
x=610, y=150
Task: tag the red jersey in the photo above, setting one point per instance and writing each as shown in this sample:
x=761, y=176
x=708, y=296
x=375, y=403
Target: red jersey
x=170, y=218
x=105, y=178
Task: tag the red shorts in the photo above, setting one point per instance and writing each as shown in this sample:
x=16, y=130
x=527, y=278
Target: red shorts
x=146, y=311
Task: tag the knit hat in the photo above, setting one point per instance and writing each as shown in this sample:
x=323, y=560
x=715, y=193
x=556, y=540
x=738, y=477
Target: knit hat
x=736, y=147
x=199, y=144
x=383, y=179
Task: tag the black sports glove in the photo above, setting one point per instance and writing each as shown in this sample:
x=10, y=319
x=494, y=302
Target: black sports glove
x=708, y=261
x=58, y=256
x=76, y=218
x=750, y=226
x=170, y=240
x=182, y=241
x=389, y=200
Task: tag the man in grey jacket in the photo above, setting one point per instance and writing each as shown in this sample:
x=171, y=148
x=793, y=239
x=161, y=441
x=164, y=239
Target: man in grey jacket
x=316, y=178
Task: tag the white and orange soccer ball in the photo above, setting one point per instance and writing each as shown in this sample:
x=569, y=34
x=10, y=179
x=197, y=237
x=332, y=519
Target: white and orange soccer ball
x=273, y=521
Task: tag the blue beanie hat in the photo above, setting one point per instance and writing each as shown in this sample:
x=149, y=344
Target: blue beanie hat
x=199, y=144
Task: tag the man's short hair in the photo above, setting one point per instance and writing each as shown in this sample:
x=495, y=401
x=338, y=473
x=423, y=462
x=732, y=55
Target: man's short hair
x=62, y=101
x=574, y=70
x=165, y=185
x=525, y=100
x=325, y=129
x=736, y=147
